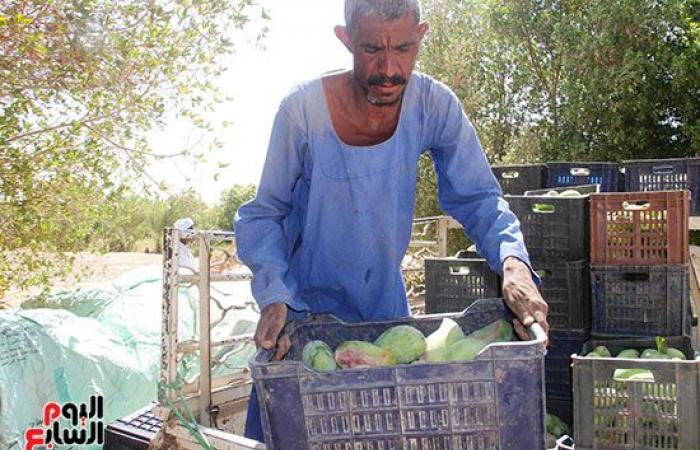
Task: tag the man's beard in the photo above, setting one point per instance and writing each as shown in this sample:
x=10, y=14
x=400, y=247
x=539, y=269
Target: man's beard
x=378, y=80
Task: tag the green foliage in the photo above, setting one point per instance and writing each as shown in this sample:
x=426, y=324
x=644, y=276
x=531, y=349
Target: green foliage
x=231, y=200
x=81, y=82
x=578, y=80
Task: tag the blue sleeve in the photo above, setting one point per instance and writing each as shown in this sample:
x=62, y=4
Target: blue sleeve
x=467, y=188
x=261, y=239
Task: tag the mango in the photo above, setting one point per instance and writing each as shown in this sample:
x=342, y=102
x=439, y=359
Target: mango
x=464, y=350
x=407, y=343
x=448, y=333
x=674, y=353
x=570, y=193
x=600, y=351
x=652, y=353
x=628, y=353
x=319, y=356
x=555, y=426
x=498, y=331
x=355, y=354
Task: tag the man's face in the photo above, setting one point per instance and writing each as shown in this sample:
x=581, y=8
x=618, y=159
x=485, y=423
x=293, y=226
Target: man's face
x=384, y=55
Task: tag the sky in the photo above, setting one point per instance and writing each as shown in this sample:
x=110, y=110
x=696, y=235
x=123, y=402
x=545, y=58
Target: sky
x=300, y=45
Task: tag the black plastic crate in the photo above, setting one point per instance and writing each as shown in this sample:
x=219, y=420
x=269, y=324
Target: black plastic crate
x=582, y=189
x=554, y=228
x=612, y=413
x=133, y=432
x=665, y=175
x=566, y=287
x=516, y=179
x=557, y=363
x=452, y=284
x=606, y=174
x=640, y=300
x=562, y=408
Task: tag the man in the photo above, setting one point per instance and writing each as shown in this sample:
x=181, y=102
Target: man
x=332, y=217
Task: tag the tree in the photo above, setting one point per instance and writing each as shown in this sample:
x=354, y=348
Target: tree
x=81, y=81
x=231, y=200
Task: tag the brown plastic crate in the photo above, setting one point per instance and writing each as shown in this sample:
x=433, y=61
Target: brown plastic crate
x=640, y=228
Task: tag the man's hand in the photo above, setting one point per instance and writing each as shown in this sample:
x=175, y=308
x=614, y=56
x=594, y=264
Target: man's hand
x=522, y=297
x=272, y=319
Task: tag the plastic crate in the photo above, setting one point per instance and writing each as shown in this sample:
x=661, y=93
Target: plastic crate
x=560, y=234
x=476, y=405
x=557, y=365
x=563, y=408
x=606, y=174
x=452, y=284
x=640, y=228
x=516, y=179
x=640, y=300
x=566, y=287
x=583, y=189
x=133, y=432
x=617, y=414
x=665, y=175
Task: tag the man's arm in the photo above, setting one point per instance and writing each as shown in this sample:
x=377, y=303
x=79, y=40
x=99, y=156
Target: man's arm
x=470, y=193
x=262, y=242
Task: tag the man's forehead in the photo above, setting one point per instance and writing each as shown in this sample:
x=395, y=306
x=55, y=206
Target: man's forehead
x=404, y=28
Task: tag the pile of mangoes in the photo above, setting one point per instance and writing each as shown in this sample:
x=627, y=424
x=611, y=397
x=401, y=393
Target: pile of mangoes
x=404, y=344
x=662, y=351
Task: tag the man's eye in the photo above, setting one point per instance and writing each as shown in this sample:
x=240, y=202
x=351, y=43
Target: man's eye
x=371, y=50
x=403, y=48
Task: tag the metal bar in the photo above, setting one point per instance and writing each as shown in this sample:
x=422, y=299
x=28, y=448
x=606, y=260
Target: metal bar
x=216, y=277
x=193, y=346
x=442, y=237
x=204, y=332
x=168, y=372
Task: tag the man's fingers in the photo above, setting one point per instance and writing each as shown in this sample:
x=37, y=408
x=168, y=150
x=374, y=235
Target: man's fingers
x=520, y=330
x=527, y=319
x=542, y=320
x=282, y=348
x=270, y=334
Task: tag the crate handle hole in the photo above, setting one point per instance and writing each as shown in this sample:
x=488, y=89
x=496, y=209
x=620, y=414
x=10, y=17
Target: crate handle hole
x=632, y=276
x=543, y=208
x=662, y=169
x=510, y=175
x=636, y=205
x=543, y=273
x=460, y=271
x=580, y=171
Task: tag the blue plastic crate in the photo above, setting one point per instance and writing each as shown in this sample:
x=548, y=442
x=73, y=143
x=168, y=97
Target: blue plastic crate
x=484, y=404
x=607, y=175
x=646, y=175
x=516, y=179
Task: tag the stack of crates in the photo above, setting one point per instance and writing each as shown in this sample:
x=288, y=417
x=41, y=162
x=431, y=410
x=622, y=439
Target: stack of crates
x=556, y=232
x=639, y=290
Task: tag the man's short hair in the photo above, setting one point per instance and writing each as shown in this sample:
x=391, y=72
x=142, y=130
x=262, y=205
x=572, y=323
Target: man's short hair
x=380, y=9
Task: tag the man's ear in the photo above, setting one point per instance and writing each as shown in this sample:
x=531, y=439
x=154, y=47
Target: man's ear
x=422, y=30
x=342, y=33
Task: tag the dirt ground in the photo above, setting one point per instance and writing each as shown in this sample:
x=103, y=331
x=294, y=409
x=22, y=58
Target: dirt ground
x=98, y=269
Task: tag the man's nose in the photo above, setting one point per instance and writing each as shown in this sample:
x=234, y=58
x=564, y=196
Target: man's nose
x=388, y=64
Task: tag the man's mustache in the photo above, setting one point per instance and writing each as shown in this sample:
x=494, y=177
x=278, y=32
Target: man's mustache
x=377, y=80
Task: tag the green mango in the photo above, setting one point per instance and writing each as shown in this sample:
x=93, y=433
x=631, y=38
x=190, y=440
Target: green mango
x=633, y=374
x=674, y=353
x=407, y=343
x=355, y=354
x=555, y=425
x=570, y=193
x=448, y=333
x=464, y=350
x=628, y=353
x=600, y=351
x=319, y=356
x=543, y=207
x=652, y=353
x=498, y=331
